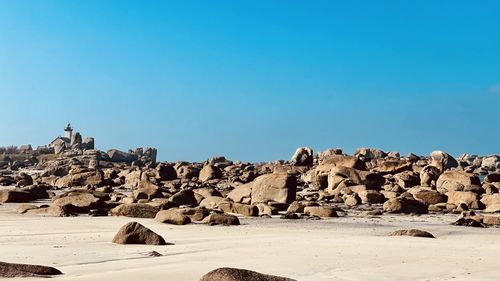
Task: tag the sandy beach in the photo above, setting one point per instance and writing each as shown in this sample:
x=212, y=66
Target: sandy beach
x=347, y=248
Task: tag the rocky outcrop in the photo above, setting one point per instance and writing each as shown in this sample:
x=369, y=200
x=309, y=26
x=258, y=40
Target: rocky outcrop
x=12, y=270
x=276, y=187
x=303, y=156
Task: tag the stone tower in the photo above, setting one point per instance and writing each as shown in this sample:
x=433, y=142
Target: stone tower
x=68, y=131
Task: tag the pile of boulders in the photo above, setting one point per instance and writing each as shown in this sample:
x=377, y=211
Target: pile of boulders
x=327, y=184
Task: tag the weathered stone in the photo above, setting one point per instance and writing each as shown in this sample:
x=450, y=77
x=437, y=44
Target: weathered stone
x=135, y=210
x=166, y=172
x=430, y=197
x=116, y=155
x=210, y=172
x=93, y=178
x=303, y=156
x=184, y=197
x=222, y=219
x=14, y=196
x=241, y=193
x=321, y=211
x=443, y=160
x=172, y=216
x=12, y=270
x=136, y=233
x=235, y=274
x=238, y=208
x=371, y=197
x=429, y=175
x=278, y=187
x=79, y=202
x=492, y=202
x=412, y=232
x=371, y=153
x=456, y=181
x=466, y=197
x=405, y=205
x=341, y=174
x=195, y=214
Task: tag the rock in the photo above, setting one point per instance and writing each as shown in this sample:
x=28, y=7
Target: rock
x=210, y=172
x=186, y=171
x=184, y=197
x=78, y=202
x=371, y=197
x=341, y=174
x=212, y=202
x=93, y=178
x=491, y=220
x=429, y=175
x=88, y=143
x=289, y=216
x=26, y=207
x=147, y=190
x=238, y=208
x=303, y=156
x=412, y=232
x=12, y=270
x=321, y=211
x=116, y=155
x=391, y=166
x=493, y=177
x=405, y=205
x=195, y=214
x=235, y=274
x=429, y=197
x=76, y=140
x=371, y=153
x=14, y=196
x=492, y=202
x=221, y=219
x=468, y=222
x=266, y=210
x=442, y=160
x=166, y=172
x=135, y=210
x=456, y=181
x=172, y=216
x=52, y=211
x=241, y=193
x=468, y=198
x=277, y=187
x=136, y=233
x=491, y=163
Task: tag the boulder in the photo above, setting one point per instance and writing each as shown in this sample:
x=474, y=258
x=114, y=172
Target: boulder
x=221, y=219
x=491, y=163
x=429, y=197
x=383, y=166
x=238, y=208
x=443, y=161
x=184, y=197
x=88, y=143
x=321, y=211
x=468, y=198
x=412, y=232
x=93, y=178
x=136, y=233
x=341, y=174
x=135, y=210
x=277, y=187
x=492, y=202
x=79, y=202
x=12, y=270
x=454, y=180
x=303, y=156
x=235, y=274
x=172, y=216
x=14, y=196
x=371, y=197
x=371, y=153
x=195, y=214
x=116, y=155
x=210, y=172
x=166, y=172
x=241, y=193
x=405, y=205
x=429, y=175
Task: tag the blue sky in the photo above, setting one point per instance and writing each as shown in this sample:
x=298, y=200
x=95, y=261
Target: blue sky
x=253, y=80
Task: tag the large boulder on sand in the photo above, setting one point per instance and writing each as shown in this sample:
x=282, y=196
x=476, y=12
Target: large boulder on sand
x=221, y=219
x=468, y=198
x=135, y=210
x=405, y=205
x=235, y=274
x=277, y=187
x=136, y=233
x=94, y=178
x=303, y=156
x=241, y=193
x=14, y=196
x=412, y=232
x=12, y=270
x=80, y=202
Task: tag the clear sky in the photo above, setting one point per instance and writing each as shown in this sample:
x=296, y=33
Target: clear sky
x=253, y=80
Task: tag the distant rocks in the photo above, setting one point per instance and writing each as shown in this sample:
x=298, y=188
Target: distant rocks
x=303, y=156
x=235, y=274
x=136, y=233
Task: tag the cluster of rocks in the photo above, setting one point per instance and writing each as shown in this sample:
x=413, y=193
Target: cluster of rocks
x=327, y=184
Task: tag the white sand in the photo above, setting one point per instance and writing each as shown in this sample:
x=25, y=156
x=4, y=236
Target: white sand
x=335, y=249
